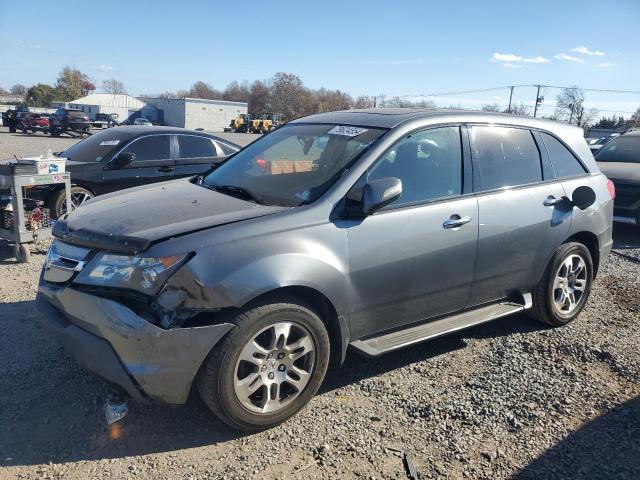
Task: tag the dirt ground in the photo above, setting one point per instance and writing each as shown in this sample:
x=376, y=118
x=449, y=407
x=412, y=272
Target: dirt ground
x=510, y=399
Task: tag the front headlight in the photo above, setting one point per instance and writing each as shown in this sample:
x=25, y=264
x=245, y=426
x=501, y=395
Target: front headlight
x=145, y=274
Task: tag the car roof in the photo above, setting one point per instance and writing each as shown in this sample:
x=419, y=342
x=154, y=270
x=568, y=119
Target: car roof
x=393, y=117
x=128, y=132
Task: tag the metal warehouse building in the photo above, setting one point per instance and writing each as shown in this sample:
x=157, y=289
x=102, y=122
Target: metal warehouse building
x=126, y=106
x=212, y=115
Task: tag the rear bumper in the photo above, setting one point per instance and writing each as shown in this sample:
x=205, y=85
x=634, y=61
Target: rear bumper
x=125, y=349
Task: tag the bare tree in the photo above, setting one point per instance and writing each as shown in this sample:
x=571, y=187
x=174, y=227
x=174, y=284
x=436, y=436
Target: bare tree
x=569, y=104
x=634, y=121
x=236, y=92
x=259, y=98
x=491, y=107
x=200, y=89
x=18, y=89
x=113, y=86
x=290, y=98
x=332, y=100
x=364, y=101
x=518, y=109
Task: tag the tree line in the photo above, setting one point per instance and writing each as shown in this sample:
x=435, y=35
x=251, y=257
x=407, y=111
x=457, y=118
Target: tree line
x=285, y=94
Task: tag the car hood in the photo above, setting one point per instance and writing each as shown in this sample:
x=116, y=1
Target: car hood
x=622, y=172
x=130, y=220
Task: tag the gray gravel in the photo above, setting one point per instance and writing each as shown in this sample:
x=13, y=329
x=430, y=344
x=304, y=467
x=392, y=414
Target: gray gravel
x=511, y=399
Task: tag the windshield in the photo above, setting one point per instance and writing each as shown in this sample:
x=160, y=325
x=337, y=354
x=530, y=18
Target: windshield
x=96, y=147
x=295, y=164
x=621, y=149
x=75, y=113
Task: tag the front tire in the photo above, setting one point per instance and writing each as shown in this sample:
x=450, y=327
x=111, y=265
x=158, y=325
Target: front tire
x=268, y=367
x=565, y=286
x=58, y=202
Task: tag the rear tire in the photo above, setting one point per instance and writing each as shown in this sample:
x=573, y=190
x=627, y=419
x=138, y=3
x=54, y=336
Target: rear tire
x=564, y=288
x=270, y=334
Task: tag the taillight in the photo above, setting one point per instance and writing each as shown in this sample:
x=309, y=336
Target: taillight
x=612, y=189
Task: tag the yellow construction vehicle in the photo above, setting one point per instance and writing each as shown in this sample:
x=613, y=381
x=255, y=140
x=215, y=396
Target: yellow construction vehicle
x=241, y=123
x=255, y=125
x=269, y=121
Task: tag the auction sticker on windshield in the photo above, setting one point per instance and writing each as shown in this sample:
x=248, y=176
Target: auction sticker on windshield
x=347, y=131
x=110, y=142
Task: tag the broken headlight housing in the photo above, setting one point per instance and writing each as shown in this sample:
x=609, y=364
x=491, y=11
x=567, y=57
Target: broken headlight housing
x=144, y=274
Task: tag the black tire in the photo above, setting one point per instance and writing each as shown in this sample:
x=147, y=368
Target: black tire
x=55, y=202
x=22, y=253
x=54, y=132
x=12, y=129
x=543, y=308
x=217, y=375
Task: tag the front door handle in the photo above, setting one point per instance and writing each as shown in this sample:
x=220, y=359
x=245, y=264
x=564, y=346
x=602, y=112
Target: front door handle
x=165, y=169
x=552, y=201
x=455, y=221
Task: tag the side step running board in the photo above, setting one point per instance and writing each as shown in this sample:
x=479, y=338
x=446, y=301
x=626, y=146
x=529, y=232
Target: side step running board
x=436, y=328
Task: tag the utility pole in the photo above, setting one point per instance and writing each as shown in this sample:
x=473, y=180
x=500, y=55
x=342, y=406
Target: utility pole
x=510, y=97
x=535, y=109
x=571, y=116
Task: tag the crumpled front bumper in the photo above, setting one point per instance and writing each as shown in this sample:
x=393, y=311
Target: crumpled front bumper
x=125, y=349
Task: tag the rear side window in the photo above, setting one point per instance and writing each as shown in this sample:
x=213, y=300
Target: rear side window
x=623, y=149
x=564, y=162
x=226, y=149
x=196, y=147
x=505, y=157
x=155, y=147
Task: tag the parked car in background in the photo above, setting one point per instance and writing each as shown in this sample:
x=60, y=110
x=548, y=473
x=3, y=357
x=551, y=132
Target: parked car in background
x=372, y=229
x=142, y=121
x=601, y=142
x=123, y=157
x=35, y=122
x=68, y=120
x=620, y=161
x=12, y=117
x=105, y=120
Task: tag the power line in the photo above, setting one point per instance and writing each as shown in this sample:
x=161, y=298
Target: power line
x=504, y=87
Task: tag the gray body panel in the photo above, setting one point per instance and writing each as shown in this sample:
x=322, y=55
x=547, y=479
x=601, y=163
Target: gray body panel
x=386, y=271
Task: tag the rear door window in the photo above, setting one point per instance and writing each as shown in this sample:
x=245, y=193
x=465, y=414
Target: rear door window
x=154, y=147
x=565, y=164
x=505, y=157
x=195, y=147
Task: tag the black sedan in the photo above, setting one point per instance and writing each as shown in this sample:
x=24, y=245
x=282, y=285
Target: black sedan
x=620, y=161
x=129, y=156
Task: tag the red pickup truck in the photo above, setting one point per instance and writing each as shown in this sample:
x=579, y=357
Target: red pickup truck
x=35, y=122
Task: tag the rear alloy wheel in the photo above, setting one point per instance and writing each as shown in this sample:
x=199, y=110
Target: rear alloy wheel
x=79, y=195
x=564, y=289
x=268, y=367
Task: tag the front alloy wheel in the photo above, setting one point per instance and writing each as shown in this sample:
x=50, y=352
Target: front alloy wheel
x=269, y=365
x=274, y=367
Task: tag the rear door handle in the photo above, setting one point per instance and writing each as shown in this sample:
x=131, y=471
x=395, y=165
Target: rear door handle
x=165, y=169
x=551, y=201
x=455, y=221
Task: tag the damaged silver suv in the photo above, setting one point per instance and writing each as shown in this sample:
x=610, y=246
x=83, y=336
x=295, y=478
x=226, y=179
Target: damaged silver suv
x=371, y=230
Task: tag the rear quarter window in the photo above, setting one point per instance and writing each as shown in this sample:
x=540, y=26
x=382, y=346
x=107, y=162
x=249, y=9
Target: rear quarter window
x=565, y=164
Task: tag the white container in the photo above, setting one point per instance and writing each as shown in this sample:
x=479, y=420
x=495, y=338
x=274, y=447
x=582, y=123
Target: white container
x=45, y=166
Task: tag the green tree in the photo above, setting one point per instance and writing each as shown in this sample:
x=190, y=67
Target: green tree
x=42, y=95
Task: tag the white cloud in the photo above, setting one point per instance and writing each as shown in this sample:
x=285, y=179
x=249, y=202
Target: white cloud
x=104, y=68
x=506, y=57
x=585, y=51
x=511, y=59
x=605, y=64
x=511, y=65
x=537, y=59
x=568, y=58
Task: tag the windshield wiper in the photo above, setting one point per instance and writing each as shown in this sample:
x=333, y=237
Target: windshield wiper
x=236, y=192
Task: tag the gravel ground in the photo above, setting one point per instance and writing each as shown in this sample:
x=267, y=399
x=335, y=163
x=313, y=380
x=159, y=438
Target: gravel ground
x=510, y=399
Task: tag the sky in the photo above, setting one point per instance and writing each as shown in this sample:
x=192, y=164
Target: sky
x=404, y=48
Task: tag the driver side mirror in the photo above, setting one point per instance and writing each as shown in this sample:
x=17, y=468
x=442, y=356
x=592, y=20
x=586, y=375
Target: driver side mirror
x=583, y=197
x=122, y=160
x=379, y=193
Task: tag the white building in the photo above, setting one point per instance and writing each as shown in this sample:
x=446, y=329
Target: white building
x=211, y=115
x=126, y=106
